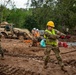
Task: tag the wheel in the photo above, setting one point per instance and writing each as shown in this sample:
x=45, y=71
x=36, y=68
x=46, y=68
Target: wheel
x=4, y=36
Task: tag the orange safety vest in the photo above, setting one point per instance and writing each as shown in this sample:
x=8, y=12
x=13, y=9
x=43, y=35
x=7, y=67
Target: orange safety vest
x=36, y=34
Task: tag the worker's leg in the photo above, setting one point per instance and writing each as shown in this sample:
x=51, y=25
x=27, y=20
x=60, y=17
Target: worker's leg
x=57, y=53
x=2, y=53
x=34, y=43
x=47, y=56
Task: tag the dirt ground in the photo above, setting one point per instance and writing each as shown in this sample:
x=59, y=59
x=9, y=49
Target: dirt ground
x=19, y=54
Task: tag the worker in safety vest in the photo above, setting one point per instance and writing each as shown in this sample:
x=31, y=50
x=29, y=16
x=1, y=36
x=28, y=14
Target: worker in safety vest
x=33, y=31
x=34, y=43
x=51, y=37
x=1, y=50
x=36, y=37
x=37, y=33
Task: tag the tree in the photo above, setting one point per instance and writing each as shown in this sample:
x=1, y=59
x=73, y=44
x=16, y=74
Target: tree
x=42, y=11
x=30, y=23
x=17, y=16
x=4, y=12
x=66, y=11
x=62, y=12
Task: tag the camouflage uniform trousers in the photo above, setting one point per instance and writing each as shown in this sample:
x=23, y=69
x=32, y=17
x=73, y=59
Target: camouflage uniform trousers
x=1, y=52
x=57, y=54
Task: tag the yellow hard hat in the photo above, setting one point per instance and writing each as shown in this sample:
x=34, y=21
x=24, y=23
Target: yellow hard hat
x=50, y=23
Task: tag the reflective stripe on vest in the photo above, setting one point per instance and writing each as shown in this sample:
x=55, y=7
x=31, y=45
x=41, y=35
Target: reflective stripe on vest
x=53, y=42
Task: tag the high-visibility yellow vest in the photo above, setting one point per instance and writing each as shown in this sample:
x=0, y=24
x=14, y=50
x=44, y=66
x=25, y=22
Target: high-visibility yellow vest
x=52, y=42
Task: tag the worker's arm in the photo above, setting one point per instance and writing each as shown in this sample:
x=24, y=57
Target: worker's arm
x=50, y=36
x=59, y=33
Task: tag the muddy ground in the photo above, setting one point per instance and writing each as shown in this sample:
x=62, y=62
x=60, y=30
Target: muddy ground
x=19, y=55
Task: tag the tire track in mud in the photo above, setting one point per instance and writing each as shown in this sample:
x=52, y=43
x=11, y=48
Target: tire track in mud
x=10, y=70
x=30, y=56
x=25, y=56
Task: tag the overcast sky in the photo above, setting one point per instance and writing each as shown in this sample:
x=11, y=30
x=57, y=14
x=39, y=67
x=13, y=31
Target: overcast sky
x=18, y=3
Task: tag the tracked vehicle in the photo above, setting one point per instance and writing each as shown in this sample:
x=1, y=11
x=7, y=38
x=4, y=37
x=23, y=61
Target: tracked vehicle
x=8, y=30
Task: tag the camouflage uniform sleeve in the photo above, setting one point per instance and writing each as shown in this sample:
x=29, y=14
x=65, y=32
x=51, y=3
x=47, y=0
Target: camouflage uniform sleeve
x=59, y=33
x=50, y=36
x=0, y=39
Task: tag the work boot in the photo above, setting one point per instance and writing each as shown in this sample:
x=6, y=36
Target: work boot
x=64, y=68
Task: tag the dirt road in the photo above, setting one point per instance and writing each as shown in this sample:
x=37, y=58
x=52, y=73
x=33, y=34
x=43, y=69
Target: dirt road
x=20, y=59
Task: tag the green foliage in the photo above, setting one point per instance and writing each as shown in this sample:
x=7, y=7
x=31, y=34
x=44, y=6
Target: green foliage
x=3, y=14
x=30, y=23
x=17, y=16
x=66, y=15
x=62, y=12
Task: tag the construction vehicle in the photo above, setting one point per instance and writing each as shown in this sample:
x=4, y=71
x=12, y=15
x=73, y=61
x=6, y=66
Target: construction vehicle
x=8, y=30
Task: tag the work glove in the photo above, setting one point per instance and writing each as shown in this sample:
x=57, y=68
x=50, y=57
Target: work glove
x=62, y=37
x=68, y=36
x=55, y=36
